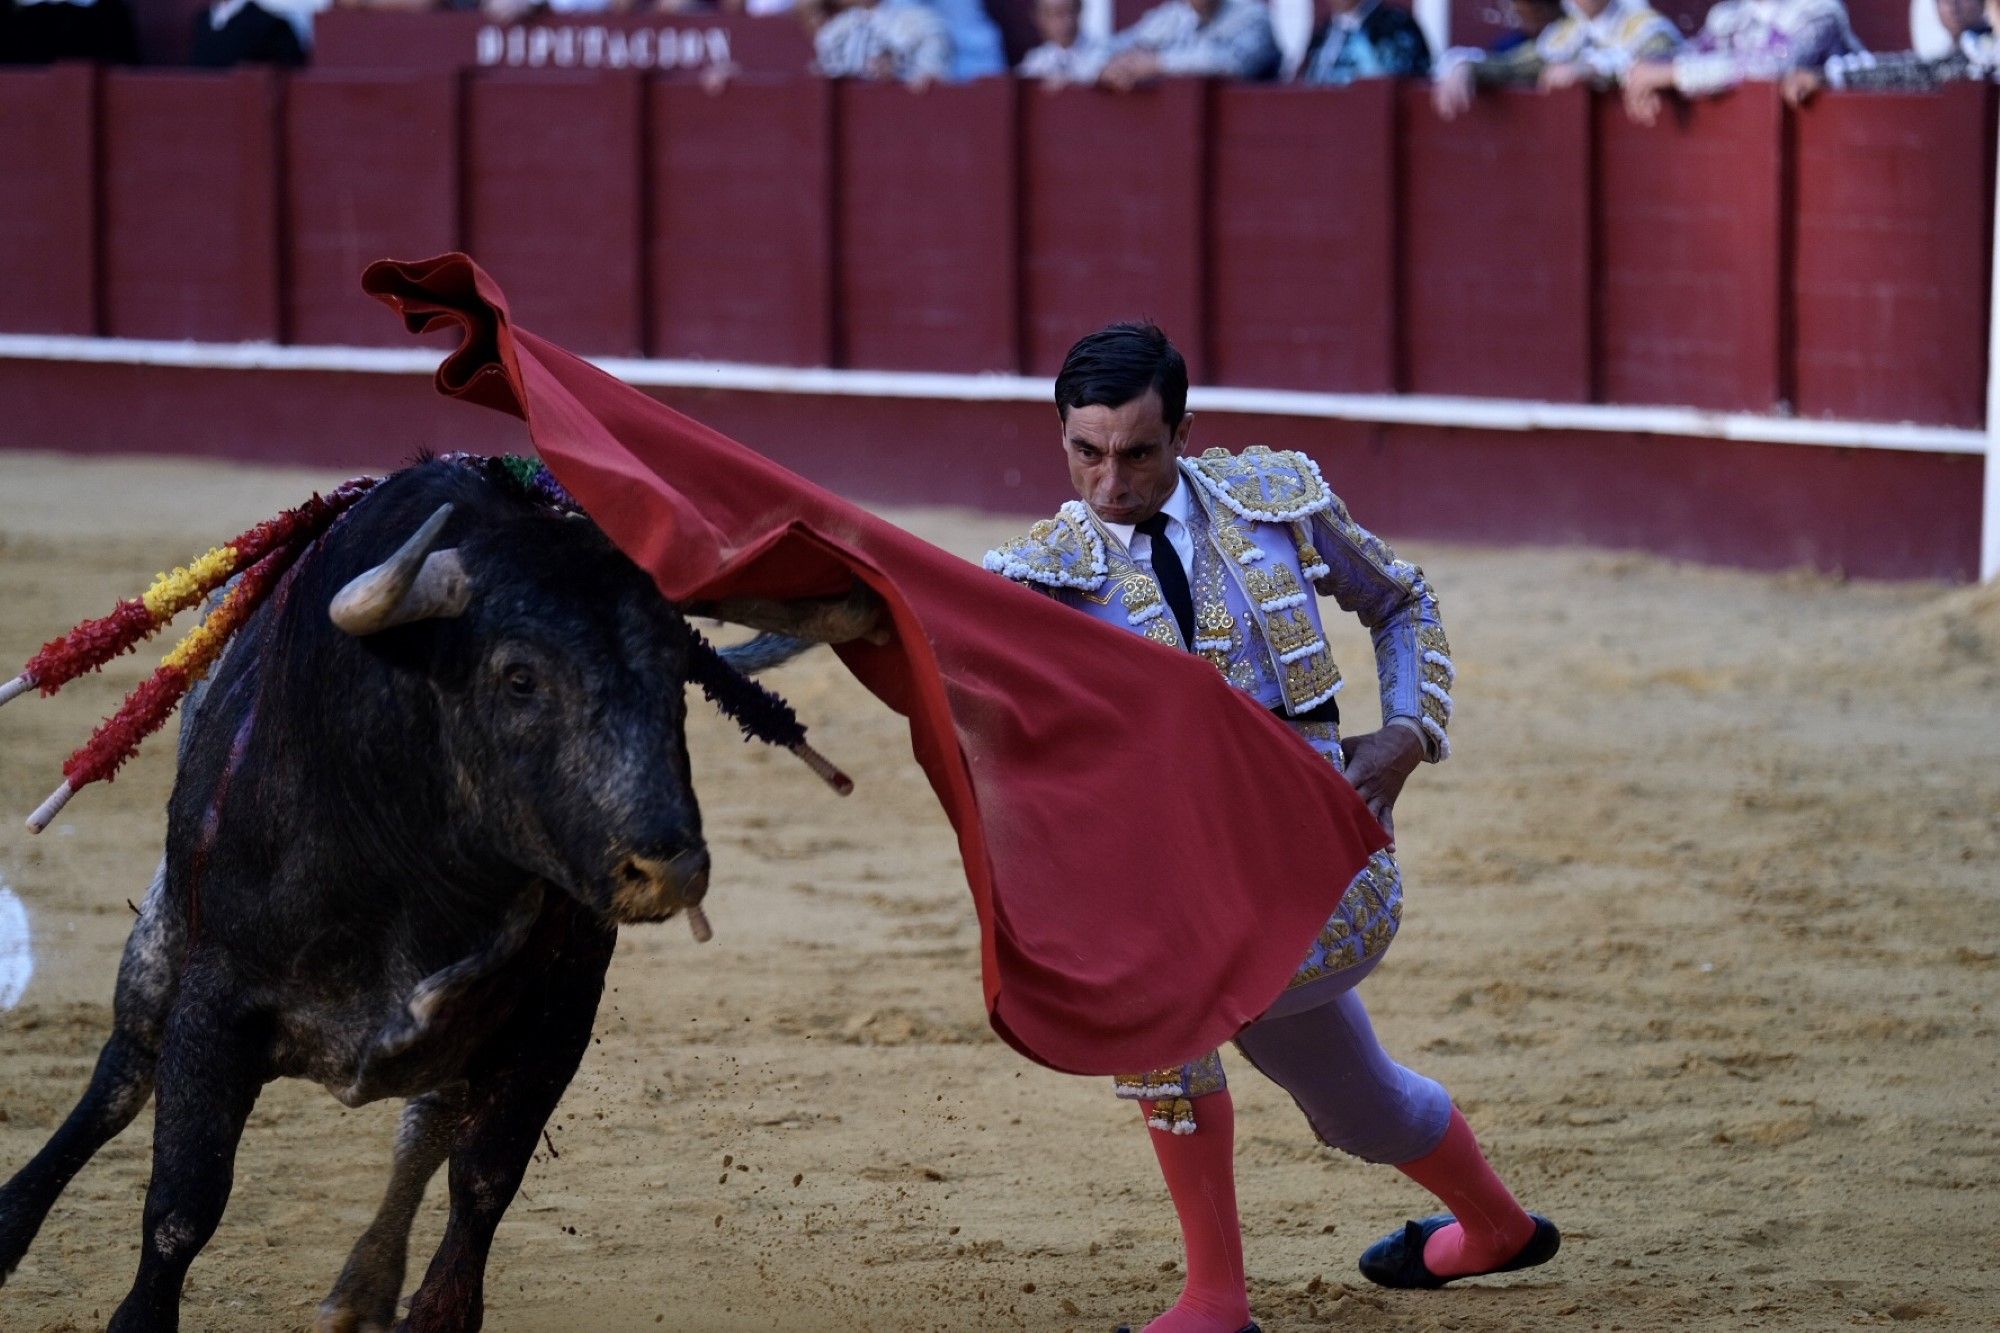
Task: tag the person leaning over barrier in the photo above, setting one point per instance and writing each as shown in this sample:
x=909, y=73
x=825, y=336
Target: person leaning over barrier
x=1510, y=61
x=1363, y=39
x=1972, y=56
x=1218, y=555
x=1593, y=43
x=1067, y=54
x=1218, y=39
x=1743, y=41
x=885, y=41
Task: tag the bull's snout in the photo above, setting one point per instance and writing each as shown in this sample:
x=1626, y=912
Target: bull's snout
x=651, y=888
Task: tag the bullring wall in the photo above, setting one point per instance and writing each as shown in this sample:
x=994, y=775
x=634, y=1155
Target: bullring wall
x=1739, y=258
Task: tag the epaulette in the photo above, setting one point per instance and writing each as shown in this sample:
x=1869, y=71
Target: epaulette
x=1061, y=552
x=1261, y=484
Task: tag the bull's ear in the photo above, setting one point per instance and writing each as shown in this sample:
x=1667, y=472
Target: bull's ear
x=416, y=583
x=856, y=614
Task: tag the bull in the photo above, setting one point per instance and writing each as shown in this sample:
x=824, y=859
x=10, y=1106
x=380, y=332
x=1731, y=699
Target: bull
x=417, y=801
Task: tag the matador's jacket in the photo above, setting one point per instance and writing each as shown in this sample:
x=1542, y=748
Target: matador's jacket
x=1265, y=527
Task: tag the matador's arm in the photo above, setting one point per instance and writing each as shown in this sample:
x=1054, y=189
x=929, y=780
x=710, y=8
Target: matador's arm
x=1392, y=598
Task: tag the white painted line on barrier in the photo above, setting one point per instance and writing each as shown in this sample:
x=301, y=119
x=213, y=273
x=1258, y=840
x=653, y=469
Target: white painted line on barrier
x=1384, y=409
x=17, y=954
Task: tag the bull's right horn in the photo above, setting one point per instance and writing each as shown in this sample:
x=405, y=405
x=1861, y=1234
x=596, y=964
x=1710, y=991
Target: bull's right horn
x=416, y=583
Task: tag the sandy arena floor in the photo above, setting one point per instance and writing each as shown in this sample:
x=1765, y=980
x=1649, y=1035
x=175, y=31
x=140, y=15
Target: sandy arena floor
x=1700, y=934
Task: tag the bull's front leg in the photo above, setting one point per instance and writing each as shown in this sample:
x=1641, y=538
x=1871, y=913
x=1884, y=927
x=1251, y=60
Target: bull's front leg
x=363, y=1299
x=213, y=1062
x=509, y=1098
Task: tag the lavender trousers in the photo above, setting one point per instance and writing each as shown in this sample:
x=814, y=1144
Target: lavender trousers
x=1317, y=1044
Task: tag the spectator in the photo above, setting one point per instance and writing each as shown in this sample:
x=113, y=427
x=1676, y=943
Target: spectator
x=1510, y=61
x=976, y=49
x=1364, y=39
x=1972, y=56
x=38, y=32
x=247, y=32
x=1600, y=41
x=884, y=41
x=1065, y=55
x=1228, y=39
x=1743, y=41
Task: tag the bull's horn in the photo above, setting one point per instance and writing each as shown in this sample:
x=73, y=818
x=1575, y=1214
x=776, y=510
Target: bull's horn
x=416, y=583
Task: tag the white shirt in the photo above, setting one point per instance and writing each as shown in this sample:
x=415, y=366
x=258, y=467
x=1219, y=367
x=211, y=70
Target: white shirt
x=1141, y=546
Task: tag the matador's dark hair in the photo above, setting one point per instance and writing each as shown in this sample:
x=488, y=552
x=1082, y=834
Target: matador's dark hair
x=1120, y=362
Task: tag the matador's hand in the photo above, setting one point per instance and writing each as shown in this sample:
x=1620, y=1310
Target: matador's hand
x=1378, y=764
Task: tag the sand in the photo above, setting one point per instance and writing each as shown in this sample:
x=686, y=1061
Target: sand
x=1699, y=933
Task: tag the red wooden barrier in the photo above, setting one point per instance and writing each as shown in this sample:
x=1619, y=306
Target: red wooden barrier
x=48, y=226
x=371, y=171
x=1496, y=260
x=1112, y=216
x=1302, y=237
x=1873, y=513
x=190, y=205
x=1879, y=513
x=741, y=235
x=1689, y=268
x=927, y=277
x=553, y=202
x=1890, y=269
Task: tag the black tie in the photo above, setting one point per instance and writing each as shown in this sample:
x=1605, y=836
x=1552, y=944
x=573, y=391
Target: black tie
x=1167, y=568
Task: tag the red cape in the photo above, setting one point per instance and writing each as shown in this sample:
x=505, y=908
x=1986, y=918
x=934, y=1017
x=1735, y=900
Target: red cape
x=1150, y=853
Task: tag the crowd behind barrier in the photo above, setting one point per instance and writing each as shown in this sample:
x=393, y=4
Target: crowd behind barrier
x=1830, y=261
x=1689, y=47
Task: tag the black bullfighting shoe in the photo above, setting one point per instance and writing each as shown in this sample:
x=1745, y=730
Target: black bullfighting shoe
x=1397, y=1260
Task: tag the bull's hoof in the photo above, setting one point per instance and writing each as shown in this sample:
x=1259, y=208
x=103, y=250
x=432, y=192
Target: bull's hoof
x=344, y=1318
x=13, y=1249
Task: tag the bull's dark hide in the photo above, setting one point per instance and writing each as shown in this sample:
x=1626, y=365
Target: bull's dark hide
x=394, y=866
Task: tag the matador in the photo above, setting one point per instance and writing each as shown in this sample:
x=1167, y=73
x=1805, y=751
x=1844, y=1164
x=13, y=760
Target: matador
x=1219, y=554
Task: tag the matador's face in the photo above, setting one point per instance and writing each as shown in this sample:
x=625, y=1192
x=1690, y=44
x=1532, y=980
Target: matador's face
x=1122, y=459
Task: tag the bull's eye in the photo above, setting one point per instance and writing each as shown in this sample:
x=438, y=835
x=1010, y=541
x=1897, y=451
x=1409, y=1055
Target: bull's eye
x=520, y=681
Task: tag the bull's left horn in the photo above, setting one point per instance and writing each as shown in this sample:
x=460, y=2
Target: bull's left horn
x=416, y=583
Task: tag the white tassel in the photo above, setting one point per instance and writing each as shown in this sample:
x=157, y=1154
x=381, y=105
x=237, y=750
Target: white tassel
x=1437, y=734
x=1223, y=493
x=1284, y=603
x=1141, y=617
x=1079, y=515
x=1317, y=700
x=1316, y=646
x=1013, y=567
